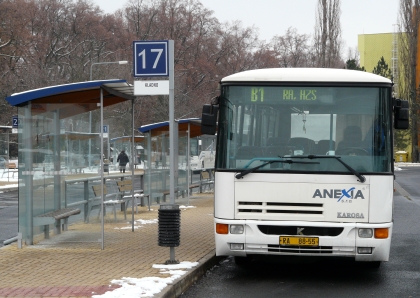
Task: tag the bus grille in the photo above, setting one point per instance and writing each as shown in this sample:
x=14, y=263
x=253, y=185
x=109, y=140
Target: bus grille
x=293, y=230
x=273, y=207
x=300, y=249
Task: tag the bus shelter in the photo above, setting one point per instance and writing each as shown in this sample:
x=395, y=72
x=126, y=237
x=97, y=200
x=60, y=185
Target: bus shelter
x=187, y=151
x=60, y=158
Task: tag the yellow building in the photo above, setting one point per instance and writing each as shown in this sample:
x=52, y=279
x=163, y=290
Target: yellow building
x=372, y=47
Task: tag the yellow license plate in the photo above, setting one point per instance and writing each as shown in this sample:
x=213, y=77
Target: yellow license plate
x=298, y=241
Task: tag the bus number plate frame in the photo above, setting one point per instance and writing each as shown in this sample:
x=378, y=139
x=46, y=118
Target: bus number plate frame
x=298, y=241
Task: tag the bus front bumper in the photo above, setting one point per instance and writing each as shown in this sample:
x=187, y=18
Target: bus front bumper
x=254, y=240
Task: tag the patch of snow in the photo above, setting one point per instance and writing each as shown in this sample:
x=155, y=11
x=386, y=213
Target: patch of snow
x=186, y=207
x=147, y=286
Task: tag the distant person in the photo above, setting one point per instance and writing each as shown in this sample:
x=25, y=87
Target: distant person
x=122, y=160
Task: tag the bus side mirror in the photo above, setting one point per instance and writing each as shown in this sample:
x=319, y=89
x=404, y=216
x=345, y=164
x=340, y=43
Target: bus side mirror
x=401, y=114
x=209, y=119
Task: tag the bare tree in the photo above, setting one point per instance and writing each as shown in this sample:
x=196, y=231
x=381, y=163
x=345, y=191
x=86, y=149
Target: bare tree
x=291, y=49
x=409, y=20
x=51, y=42
x=327, y=37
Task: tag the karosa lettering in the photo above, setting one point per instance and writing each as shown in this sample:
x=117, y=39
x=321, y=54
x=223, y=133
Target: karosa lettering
x=349, y=215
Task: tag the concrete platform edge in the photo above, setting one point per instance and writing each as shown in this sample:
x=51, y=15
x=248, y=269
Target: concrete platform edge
x=186, y=281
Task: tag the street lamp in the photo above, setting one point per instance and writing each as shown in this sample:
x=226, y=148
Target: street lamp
x=114, y=62
x=90, y=112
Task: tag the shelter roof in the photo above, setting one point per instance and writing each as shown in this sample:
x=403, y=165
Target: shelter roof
x=81, y=96
x=163, y=127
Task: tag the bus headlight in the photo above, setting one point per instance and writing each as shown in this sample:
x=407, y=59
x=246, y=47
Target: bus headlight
x=365, y=233
x=236, y=229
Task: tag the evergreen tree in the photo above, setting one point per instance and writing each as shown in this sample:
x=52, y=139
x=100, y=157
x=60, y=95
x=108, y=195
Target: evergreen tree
x=352, y=64
x=383, y=69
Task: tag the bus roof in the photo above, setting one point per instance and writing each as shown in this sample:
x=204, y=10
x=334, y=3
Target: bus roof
x=305, y=75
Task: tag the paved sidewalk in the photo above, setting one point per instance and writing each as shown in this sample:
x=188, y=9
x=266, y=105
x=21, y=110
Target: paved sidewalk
x=72, y=264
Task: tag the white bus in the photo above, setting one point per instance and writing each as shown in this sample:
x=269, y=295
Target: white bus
x=304, y=163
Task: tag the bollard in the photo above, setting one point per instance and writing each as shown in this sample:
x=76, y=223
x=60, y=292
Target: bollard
x=169, y=228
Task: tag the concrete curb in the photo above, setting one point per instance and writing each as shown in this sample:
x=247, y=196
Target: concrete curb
x=406, y=164
x=187, y=280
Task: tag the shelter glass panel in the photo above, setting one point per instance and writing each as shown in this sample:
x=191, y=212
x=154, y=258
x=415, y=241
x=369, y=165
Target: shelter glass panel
x=63, y=159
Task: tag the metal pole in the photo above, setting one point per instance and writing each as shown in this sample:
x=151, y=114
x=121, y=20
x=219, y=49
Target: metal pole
x=8, y=144
x=90, y=140
x=102, y=172
x=149, y=167
x=171, y=124
x=27, y=178
x=90, y=112
x=171, y=132
x=56, y=169
x=331, y=146
x=188, y=164
x=132, y=164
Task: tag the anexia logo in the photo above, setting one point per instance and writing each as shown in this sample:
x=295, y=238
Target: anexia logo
x=342, y=195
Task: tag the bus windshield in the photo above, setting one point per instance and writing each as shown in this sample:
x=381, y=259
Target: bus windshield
x=262, y=123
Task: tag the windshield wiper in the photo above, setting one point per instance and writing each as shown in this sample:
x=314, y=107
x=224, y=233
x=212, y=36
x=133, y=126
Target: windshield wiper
x=289, y=161
x=353, y=171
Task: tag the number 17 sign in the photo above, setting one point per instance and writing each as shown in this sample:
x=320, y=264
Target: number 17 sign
x=151, y=58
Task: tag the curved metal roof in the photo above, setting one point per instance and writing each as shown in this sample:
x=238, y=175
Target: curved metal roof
x=158, y=128
x=86, y=92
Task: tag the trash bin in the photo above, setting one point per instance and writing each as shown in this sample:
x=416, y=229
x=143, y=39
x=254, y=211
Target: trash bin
x=401, y=156
x=169, y=225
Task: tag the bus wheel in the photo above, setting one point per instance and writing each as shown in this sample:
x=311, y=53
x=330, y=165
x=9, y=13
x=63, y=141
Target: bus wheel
x=243, y=261
x=371, y=265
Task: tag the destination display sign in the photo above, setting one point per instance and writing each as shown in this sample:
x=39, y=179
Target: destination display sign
x=273, y=94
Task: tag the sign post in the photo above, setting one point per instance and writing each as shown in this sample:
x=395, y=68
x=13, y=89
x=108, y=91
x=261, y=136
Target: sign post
x=156, y=59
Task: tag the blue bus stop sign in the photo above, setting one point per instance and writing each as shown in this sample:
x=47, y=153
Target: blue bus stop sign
x=15, y=122
x=151, y=58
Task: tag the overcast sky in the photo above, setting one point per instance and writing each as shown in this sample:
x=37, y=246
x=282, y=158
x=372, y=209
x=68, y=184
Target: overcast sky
x=273, y=17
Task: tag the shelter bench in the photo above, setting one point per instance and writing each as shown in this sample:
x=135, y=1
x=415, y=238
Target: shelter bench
x=164, y=194
x=125, y=187
x=10, y=168
x=111, y=202
x=77, y=169
x=49, y=218
x=206, y=179
x=192, y=186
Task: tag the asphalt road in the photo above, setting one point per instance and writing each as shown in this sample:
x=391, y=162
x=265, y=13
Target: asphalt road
x=286, y=277
x=8, y=215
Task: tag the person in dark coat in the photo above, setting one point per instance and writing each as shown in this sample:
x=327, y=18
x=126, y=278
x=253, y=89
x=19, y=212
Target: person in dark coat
x=123, y=160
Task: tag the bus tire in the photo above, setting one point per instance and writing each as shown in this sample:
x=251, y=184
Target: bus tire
x=371, y=265
x=243, y=261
